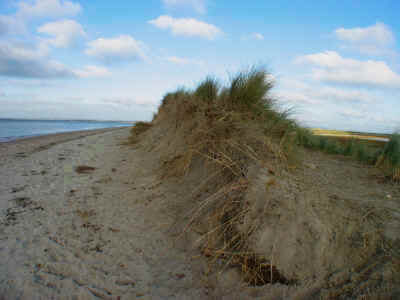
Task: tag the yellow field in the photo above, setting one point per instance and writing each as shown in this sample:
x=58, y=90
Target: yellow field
x=349, y=134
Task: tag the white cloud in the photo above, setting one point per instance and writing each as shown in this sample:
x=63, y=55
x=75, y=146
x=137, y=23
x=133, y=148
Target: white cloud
x=351, y=113
x=368, y=117
x=28, y=10
x=117, y=100
x=21, y=61
x=64, y=32
x=302, y=93
x=197, y=5
x=48, y=8
x=336, y=108
x=25, y=61
x=331, y=67
x=92, y=71
x=123, y=47
x=377, y=34
x=257, y=36
x=371, y=40
x=297, y=97
x=184, y=61
x=186, y=27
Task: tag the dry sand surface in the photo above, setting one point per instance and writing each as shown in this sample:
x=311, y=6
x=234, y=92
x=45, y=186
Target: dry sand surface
x=90, y=235
x=110, y=231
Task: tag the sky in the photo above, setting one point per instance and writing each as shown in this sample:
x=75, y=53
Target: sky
x=336, y=64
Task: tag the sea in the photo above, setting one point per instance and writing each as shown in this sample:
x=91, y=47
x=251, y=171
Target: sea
x=13, y=129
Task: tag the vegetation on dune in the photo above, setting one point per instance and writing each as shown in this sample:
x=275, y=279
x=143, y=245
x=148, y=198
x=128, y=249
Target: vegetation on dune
x=389, y=158
x=207, y=90
x=139, y=128
x=385, y=155
x=228, y=129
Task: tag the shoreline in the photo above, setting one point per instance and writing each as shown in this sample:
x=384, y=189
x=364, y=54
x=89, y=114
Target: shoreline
x=22, y=147
x=8, y=139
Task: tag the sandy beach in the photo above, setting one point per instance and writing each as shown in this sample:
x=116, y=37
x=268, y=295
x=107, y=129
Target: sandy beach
x=90, y=235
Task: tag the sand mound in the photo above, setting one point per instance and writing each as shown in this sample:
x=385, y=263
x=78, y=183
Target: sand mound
x=258, y=206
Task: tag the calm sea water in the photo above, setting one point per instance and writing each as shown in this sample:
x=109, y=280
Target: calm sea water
x=11, y=129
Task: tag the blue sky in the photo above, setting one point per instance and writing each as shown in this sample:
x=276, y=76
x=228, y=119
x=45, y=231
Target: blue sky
x=337, y=63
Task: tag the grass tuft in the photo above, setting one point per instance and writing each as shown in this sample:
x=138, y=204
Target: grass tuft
x=249, y=89
x=389, y=159
x=207, y=90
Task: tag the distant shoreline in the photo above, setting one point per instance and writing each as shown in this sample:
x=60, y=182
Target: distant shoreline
x=26, y=146
x=67, y=120
x=5, y=140
x=16, y=129
x=9, y=140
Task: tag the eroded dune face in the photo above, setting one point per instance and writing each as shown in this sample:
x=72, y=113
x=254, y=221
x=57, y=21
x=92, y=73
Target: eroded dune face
x=313, y=225
x=316, y=225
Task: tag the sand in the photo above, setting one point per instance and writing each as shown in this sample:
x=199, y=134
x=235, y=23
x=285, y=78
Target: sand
x=97, y=235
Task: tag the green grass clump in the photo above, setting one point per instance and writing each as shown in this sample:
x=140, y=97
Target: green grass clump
x=391, y=152
x=363, y=151
x=305, y=138
x=333, y=147
x=207, y=90
x=389, y=158
x=250, y=89
x=348, y=149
